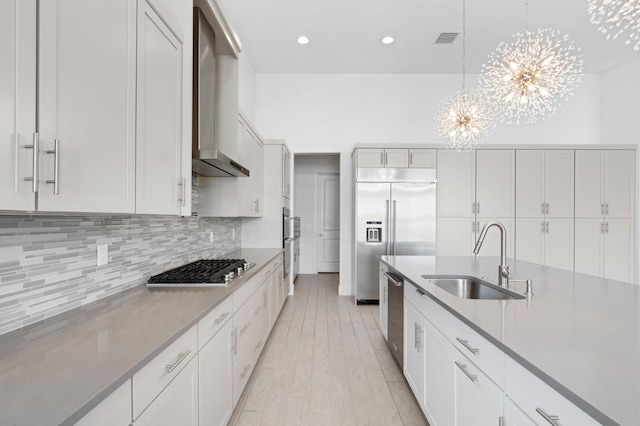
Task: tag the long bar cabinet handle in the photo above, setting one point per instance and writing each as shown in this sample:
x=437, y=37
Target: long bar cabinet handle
x=551, y=419
x=466, y=344
x=463, y=367
x=181, y=357
x=36, y=156
x=56, y=166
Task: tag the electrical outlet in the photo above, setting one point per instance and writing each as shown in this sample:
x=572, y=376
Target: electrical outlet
x=211, y=236
x=103, y=254
x=233, y=233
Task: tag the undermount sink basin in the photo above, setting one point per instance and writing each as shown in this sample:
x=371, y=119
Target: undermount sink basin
x=467, y=287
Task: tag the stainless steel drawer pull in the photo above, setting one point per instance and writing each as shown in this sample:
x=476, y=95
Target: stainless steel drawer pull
x=36, y=156
x=601, y=208
x=181, y=357
x=258, y=309
x=542, y=208
x=258, y=345
x=466, y=344
x=56, y=166
x=420, y=292
x=606, y=208
x=245, y=371
x=221, y=318
x=551, y=419
x=463, y=367
x=245, y=328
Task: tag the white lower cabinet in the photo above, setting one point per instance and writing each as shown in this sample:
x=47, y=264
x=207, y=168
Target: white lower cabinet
x=115, y=410
x=215, y=396
x=438, y=377
x=414, y=359
x=476, y=399
x=384, y=302
x=177, y=404
x=514, y=416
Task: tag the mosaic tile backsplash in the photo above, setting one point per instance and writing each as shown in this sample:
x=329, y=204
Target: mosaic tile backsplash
x=48, y=264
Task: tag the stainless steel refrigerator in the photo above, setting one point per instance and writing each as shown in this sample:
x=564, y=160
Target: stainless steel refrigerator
x=395, y=214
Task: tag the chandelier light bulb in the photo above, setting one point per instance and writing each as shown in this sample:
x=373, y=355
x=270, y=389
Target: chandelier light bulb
x=617, y=17
x=526, y=79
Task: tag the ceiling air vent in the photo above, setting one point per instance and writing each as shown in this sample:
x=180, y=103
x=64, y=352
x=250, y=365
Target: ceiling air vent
x=446, y=38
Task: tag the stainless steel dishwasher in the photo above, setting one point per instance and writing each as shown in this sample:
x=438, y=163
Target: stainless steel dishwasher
x=395, y=318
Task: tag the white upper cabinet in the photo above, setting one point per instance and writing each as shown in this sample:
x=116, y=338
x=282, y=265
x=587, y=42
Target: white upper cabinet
x=424, y=158
x=456, y=190
x=544, y=183
x=86, y=105
x=495, y=185
x=396, y=157
x=160, y=188
x=17, y=103
x=605, y=183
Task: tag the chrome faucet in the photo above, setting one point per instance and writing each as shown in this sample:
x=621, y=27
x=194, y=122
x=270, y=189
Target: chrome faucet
x=503, y=269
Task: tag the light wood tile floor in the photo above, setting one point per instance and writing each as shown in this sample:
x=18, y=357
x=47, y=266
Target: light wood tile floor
x=326, y=363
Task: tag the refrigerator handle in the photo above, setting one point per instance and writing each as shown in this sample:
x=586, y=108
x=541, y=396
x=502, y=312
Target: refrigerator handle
x=394, y=227
x=387, y=252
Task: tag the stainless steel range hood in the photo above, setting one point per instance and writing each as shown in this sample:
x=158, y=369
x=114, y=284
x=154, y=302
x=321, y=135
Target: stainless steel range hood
x=207, y=159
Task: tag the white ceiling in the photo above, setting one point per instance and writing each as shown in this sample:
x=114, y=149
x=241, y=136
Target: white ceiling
x=345, y=34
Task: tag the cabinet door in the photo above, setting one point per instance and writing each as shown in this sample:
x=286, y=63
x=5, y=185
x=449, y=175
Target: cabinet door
x=247, y=184
x=414, y=350
x=530, y=240
x=396, y=158
x=530, y=174
x=455, y=236
x=384, y=303
x=368, y=157
x=589, y=188
x=438, y=392
x=422, y=158
x=177, y=404
x=456, y=183
x=495, y=185
x=589, y=246
x=477, y=400
x=514, y=416
x=558, y=243
x=618, y=249
x=114, y=410
x=258, y=177
x=215, y=395
x=619, y=183
x=87, y=101
x=286, y=173
x=17, y=103
x=159, y=183
x=559, y=183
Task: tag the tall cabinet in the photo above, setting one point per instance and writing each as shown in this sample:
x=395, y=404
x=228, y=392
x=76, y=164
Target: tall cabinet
x=474, y=188
x=605, y=212
x=544, y=207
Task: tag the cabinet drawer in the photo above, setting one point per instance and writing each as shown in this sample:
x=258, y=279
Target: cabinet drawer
x=242, y=294
x=436, y=314
x=214, y=321
x=479, y=350
x=535, y=397
x=155, y=376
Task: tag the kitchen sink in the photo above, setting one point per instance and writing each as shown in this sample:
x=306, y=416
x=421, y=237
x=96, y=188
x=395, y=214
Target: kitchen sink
x=467, y=287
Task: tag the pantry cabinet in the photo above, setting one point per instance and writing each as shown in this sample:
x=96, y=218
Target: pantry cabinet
x=160, y=187
x=495, y=183
x=18, y=158
x=605, y=183
x=546, y=242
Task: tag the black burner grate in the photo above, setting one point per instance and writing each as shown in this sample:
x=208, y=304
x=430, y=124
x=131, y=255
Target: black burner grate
x=199, y=272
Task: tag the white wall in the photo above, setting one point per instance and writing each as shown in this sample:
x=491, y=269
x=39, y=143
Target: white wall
x=247, y=90
x=305, y=203
x=318, y=113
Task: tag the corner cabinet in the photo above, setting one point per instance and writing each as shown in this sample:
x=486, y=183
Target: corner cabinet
x=160, y=187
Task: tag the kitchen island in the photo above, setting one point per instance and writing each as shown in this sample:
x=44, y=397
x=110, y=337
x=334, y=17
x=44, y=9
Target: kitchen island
x=56, y=371
x=579, y=334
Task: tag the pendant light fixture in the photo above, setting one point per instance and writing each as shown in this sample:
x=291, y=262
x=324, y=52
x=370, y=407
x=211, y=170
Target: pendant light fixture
x=465, y=119
x=616, y=17
x=527, y=78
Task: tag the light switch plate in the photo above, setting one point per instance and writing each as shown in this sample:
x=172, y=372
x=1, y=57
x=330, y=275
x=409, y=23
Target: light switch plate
x=211, y=236
x=103, y=254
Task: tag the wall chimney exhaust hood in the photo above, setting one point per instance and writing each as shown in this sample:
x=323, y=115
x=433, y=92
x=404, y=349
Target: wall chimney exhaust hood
x=207, y=159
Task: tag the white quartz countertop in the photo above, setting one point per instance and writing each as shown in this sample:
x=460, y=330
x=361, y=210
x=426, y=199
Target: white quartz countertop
x=54, y=372
x=578, y=333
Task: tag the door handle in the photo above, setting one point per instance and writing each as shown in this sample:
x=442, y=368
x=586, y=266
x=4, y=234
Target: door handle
x=36, y=154
x=394, y=227
x=56, y=166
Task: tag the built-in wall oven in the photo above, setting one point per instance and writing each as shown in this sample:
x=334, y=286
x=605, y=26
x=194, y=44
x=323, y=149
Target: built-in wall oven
x=286, y=240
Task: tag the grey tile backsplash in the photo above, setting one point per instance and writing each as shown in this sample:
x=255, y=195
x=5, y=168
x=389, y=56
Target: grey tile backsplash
x=48, y=263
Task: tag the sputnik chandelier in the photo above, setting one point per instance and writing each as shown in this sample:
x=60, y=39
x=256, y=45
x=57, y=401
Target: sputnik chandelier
x=465, y=119
x=615, y=17
x=527, y=78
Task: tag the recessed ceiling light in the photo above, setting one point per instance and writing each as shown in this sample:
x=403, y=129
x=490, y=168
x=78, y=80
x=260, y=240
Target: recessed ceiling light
x=303, y=40
x=387, y=40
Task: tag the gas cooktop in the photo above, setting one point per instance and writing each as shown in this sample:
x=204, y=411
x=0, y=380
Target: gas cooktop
x=201, y=273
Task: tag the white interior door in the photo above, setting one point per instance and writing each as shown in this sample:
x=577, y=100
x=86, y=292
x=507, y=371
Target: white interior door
x=328, y=189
